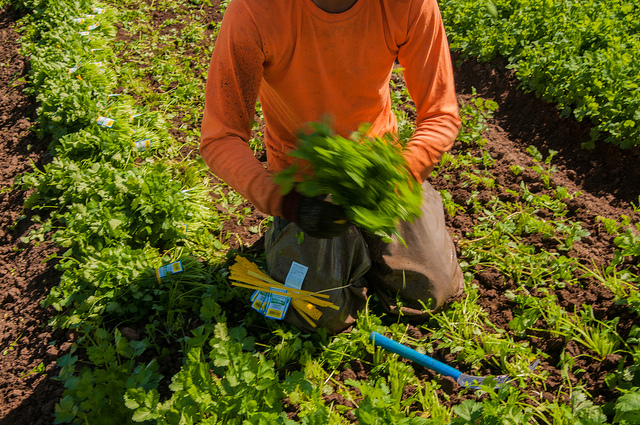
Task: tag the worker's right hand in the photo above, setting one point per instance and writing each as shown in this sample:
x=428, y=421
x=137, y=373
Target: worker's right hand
x=315, y=216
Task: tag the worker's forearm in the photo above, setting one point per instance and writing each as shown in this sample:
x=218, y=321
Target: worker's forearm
x=232, y=160
x=431, y=139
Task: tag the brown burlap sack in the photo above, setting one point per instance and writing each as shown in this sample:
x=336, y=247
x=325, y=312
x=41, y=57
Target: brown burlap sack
x=424, y=273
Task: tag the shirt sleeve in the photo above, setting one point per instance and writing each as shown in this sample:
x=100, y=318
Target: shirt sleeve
x=428, y=73
x=233, y=81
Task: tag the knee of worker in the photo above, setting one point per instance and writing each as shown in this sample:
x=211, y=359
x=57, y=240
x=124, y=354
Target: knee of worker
x=438, y=289
x=349, y=302
x=416, y=294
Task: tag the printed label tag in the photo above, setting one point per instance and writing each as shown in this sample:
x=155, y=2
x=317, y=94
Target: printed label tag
x=168, y=269
x=143, y=144
x=296, y=275
x=258, y=300
x=105, y=122
x=279, y=304
x=74, y=68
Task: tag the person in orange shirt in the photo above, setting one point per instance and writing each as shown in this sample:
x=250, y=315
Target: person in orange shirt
x=309, y=59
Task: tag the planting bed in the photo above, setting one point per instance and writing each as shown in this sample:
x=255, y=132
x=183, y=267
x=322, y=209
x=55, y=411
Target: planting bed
x=24, y=277
x=603, y=183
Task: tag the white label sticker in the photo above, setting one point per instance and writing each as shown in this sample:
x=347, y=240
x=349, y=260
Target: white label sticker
x=143, y=144
x=296, y=275
x=105, y=122
x=75, y=68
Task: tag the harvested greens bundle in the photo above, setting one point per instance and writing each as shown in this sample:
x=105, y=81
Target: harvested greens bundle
x=246, y=274
x=367, y=176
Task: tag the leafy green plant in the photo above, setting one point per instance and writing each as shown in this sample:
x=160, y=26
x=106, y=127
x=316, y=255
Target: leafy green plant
x=627, y=408
x=628, y=244
x=290, y=349
x=225, y=384
x=581, y=62
x=474, y=115
x=506, y=406
x=581, y=326
x=449, y=204
x=543, y=165
x=94, y=391
x=366, y=175
x=380, y=406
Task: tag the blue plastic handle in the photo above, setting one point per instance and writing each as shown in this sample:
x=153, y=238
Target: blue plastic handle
x=413, y=355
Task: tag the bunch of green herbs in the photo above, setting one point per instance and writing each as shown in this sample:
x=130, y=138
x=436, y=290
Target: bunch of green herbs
x=368, y=176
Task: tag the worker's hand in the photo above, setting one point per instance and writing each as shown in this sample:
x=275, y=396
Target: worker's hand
x=315, y=216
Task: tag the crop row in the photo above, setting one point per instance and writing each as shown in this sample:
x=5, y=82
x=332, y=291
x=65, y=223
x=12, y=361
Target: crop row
x=181, y=350
x=579, y=54
x=122, y=205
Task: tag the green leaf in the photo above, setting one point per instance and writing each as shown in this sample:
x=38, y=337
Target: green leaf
x=143, y=414
x=66, y=410
x=627, y=408
x=469, y=410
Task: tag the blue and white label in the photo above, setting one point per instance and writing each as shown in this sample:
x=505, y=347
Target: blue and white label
x=105, y=122
x=168, y=269
x=279, y=304
x=143, y=144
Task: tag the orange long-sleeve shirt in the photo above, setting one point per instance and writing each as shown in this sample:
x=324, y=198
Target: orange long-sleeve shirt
x=306, y=64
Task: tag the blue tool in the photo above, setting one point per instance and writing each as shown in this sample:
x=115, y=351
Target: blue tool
x=463, y=379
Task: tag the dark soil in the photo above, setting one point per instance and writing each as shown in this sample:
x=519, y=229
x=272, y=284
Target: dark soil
x=26, y=342
x=608, y=178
